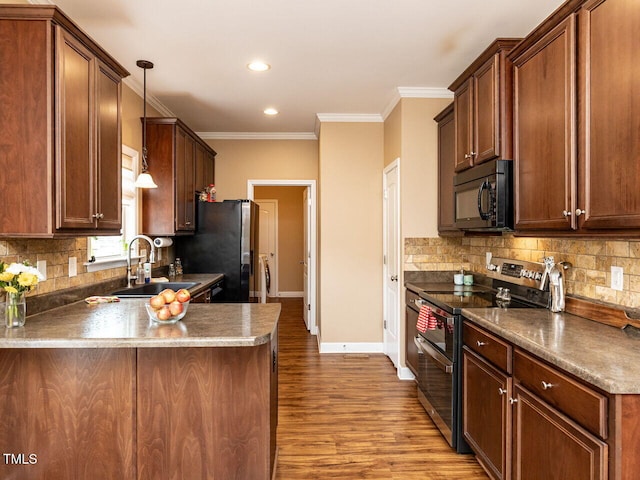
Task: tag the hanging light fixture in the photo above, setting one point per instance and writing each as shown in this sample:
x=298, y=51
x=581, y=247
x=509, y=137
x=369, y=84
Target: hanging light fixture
x=145, y=180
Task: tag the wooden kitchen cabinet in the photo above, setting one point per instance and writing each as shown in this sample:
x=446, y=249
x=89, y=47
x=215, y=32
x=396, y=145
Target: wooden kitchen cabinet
x=178, y=159
x=61, y=97
x=486, y=387
x=483, y=107
x=446, y=155
x=575, y=168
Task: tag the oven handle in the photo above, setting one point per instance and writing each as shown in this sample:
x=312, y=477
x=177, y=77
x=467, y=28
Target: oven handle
x=438, y=312
x=441, y=360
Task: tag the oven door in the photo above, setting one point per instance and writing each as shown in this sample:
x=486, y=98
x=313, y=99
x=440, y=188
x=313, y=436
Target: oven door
x=435, y=385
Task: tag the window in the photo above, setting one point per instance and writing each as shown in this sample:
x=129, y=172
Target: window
x=107, y=252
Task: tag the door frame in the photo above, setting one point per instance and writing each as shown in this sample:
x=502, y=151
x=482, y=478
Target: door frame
x=275, y=290
x=312, y=239
x=385, y=274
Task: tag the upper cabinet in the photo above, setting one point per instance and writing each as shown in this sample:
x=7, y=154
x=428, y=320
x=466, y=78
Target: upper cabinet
x=575, y=121
x=61, y=134
x=181, y=165
x=446, y=147
x=483, y=107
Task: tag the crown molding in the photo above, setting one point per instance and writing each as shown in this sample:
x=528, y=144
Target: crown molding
x=415, y=92
x=350, y=117
x=138, y=88
x=257, y=135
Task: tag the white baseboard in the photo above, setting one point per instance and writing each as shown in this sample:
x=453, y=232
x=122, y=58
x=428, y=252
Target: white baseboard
x=291, y=294
x=326, y=347
x=405, y=374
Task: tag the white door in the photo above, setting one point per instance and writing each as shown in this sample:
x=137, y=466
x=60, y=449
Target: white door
x=306, y=219
x=269, y=240
x=391, y=244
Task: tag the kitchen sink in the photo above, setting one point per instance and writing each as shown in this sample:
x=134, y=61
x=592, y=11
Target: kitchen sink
x=151, y=289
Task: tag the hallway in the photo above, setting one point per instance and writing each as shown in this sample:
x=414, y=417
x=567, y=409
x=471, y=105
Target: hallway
x=349, y=416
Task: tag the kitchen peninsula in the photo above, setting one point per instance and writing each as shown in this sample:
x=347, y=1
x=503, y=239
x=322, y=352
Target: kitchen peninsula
x=97, y=391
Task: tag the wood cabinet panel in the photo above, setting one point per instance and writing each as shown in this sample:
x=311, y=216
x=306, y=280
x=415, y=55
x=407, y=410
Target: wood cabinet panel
x=487, y=112
x=582, y=404
x=544, y=131
x=463, y=101
x=181, y=434
x=57, y=132
x=52, y=405
x=446, y=160
x=609, y=168
x=496, y=351
x=487, y=414
x=549, y=445
x=175, y=161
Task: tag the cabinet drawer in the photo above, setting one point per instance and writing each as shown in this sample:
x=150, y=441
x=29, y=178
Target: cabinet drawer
x=583, y=404
x=492, y=348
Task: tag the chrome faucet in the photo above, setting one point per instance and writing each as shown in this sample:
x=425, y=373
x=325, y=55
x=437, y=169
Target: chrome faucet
x=152, y=256
x=556, y=282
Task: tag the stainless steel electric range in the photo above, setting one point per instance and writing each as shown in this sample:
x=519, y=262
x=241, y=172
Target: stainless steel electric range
x=437, y=353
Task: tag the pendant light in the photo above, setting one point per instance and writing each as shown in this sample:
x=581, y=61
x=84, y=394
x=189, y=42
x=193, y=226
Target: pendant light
x=145, y=180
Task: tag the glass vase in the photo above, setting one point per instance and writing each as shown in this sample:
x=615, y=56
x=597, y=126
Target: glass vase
x=15, y=310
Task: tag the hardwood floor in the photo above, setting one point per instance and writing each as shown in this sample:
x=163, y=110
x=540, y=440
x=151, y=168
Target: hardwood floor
x=349, y=417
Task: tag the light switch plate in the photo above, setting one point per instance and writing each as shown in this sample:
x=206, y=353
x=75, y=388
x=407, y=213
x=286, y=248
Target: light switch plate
x=617, y=278
x=41, y=265
x=73, y=266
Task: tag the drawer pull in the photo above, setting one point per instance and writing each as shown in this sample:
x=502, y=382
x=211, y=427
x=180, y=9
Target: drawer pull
x=512, y=401
x=546, y=386
x=481, y=344
x=501, y=391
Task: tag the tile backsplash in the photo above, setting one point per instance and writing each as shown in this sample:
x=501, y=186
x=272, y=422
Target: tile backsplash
x=590, y=275
x=57, y=252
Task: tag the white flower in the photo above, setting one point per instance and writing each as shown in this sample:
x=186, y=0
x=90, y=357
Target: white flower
x=18, y=268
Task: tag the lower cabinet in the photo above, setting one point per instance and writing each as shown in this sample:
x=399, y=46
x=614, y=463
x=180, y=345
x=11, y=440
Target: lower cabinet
x=486, y=413
x=548, y=444
x=536, y=422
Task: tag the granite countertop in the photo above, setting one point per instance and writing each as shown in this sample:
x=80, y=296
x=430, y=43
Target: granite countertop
x=604, y=356
x=125, y=324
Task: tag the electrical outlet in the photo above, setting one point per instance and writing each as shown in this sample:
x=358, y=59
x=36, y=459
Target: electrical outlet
x=617, y=278
x=41, y=265
x=73, y=266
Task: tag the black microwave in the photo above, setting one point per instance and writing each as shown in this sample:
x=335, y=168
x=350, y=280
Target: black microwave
x=483, y=197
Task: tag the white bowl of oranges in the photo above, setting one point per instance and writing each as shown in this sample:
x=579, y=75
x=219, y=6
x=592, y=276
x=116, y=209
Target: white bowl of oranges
x=168, y=306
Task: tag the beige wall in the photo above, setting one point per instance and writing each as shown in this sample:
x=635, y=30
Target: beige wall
x=240, y=160
x=290, y=234
x=351, y=164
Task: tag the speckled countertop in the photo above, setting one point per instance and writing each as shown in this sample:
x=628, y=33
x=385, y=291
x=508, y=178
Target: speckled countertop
x=126, y=325
x=604, y=356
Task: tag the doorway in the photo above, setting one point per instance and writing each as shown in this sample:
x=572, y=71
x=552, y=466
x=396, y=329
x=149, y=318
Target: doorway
x=391, y=270
x=268, y=242
x=308, y=259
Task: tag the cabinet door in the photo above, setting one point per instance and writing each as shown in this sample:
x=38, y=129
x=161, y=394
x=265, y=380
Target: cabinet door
x=549, y=445
x=487, y=414
x=200, y=168
x=74, y=155
x=544, y=132
x=487, y=112
x=446, y=156
x=185, y=193
x=463, y=108
x=109, y=149
x=610, y=120
x=411, y=349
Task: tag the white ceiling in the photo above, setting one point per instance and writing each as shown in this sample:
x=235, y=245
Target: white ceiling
x=347, y=57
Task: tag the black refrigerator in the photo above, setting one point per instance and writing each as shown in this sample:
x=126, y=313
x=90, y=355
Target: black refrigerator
x=225, y=241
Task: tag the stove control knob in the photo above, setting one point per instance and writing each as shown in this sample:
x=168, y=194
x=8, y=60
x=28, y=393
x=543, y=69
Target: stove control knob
x=538, y=276
x=524, y=272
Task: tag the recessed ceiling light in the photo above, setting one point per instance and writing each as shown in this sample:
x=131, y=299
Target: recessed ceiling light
x=258, y=66
x=270, y=111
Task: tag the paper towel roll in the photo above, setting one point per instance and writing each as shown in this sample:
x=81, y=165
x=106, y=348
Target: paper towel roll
x=162, y=242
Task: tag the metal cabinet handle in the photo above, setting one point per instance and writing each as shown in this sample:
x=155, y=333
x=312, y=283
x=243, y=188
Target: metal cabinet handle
x=187, y=223
x=502, y=391
x=580, y=212
x=467, y=155
x=512, y=401
x=546, y=385
x=481, y=344
x=566, y=213
x=97, y=216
